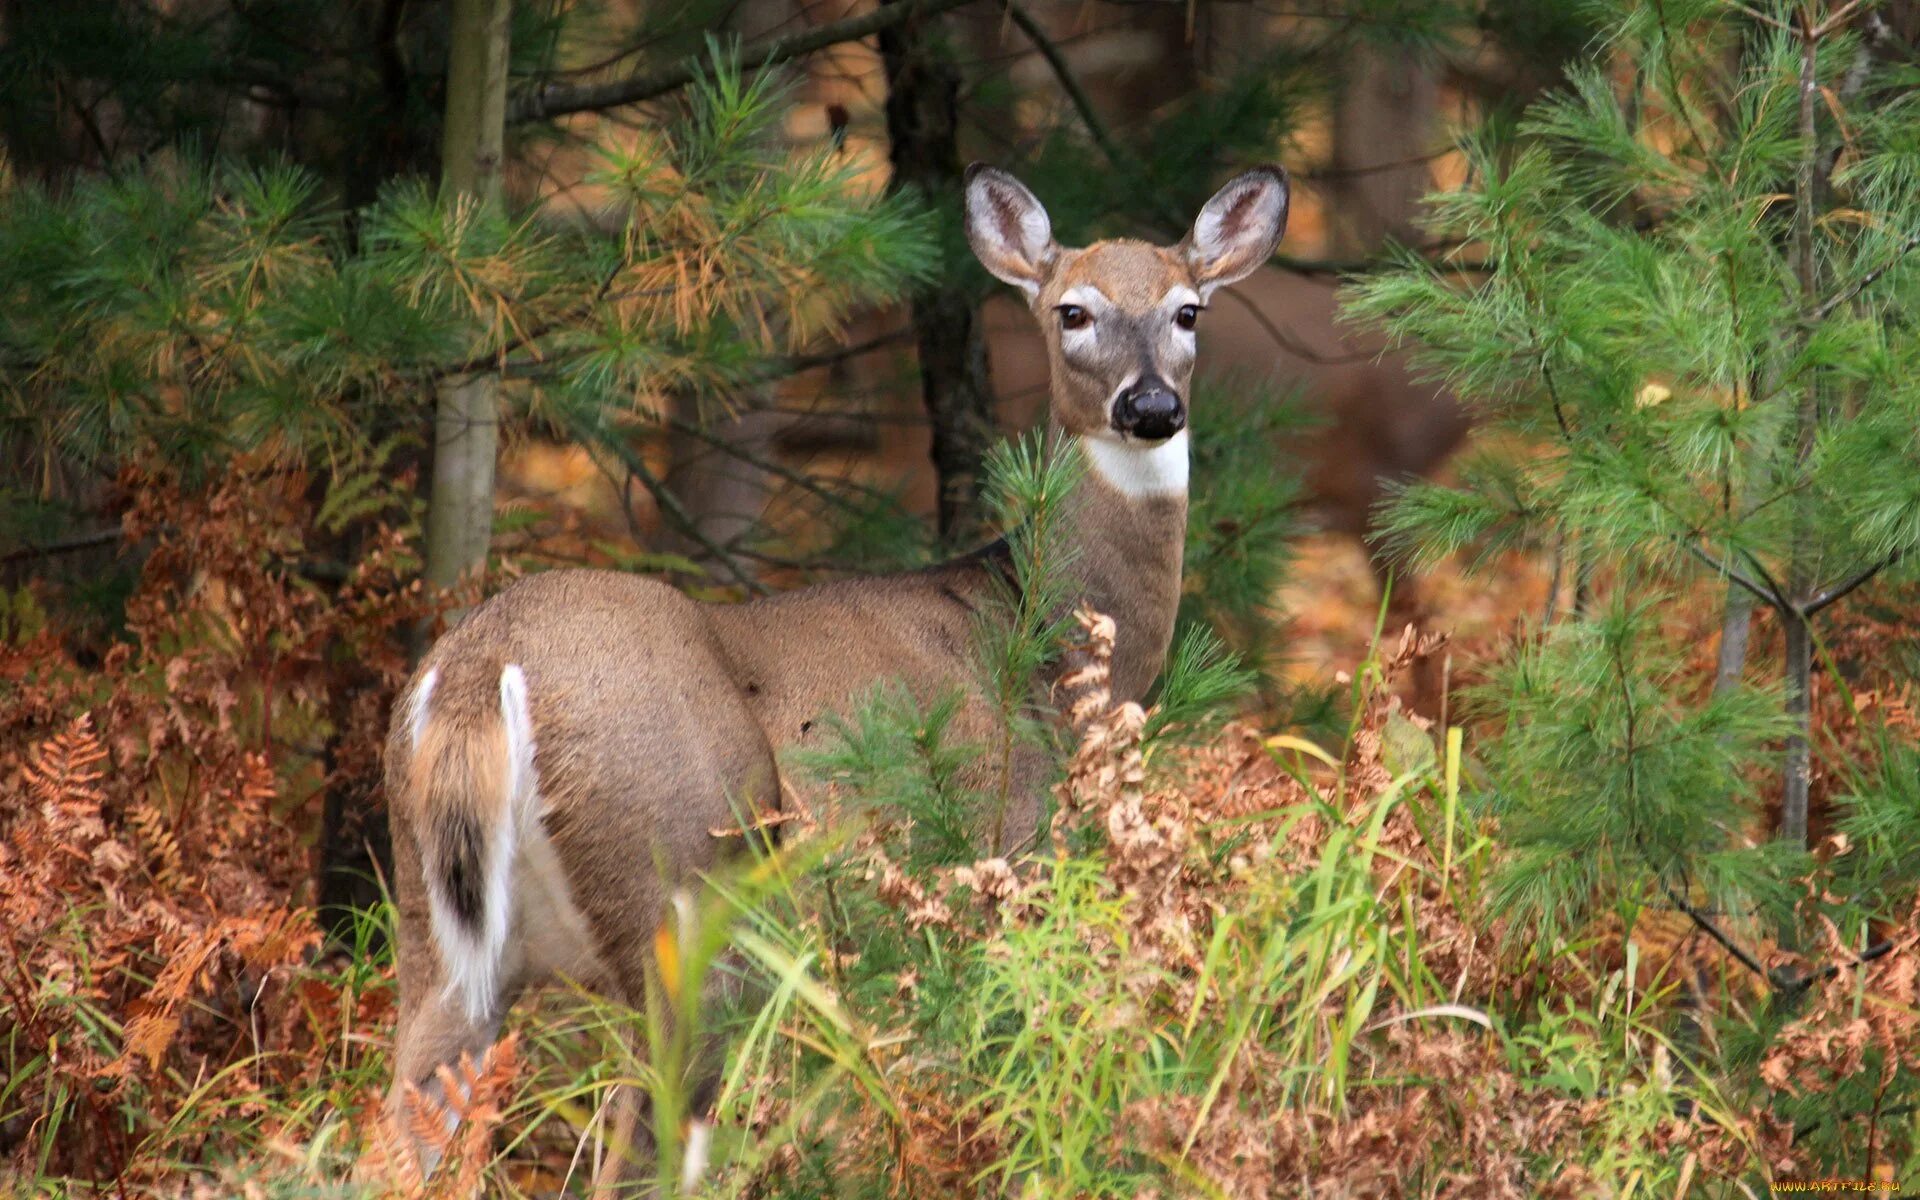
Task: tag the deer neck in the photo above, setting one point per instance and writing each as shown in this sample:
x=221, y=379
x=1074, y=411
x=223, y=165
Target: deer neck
x=1127, y=525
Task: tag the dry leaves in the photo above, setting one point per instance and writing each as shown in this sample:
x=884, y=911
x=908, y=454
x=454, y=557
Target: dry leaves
x=149, y=862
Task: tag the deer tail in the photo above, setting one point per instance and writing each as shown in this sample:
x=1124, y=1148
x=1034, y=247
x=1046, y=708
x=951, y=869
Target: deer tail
x=470, y=784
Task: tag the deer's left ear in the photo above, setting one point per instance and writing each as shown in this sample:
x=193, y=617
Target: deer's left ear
x=1238, y=229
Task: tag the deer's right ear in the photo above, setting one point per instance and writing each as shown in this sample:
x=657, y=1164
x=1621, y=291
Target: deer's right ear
x=1008, y=229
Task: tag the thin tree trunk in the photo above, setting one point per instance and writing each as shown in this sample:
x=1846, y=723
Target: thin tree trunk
x=1736, y=628
x=460, y=507
x=466, y=418
x=1799, y=758
x=923, y=93
x=1796, y=770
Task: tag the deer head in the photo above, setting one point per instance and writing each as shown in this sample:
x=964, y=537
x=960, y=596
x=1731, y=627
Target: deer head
x=1119, y=316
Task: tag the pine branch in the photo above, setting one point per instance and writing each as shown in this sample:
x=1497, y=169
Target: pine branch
x=556, y=101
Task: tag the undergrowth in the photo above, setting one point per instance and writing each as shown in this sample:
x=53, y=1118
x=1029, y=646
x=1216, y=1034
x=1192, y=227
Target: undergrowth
x=1241, y=963
x=1237, y=962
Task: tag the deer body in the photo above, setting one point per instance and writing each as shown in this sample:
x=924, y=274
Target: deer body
x=559, y=763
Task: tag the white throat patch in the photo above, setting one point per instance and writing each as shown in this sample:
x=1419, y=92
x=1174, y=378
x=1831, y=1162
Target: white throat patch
x=1136, y=470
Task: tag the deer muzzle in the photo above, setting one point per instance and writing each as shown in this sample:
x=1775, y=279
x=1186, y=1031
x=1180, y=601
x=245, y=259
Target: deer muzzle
x=1150, y=411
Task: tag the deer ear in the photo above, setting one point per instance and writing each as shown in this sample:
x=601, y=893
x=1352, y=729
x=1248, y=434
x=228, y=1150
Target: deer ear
x=1008, y=229
x=1238, y=229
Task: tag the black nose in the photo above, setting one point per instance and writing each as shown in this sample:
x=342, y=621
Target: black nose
x=1149, y=410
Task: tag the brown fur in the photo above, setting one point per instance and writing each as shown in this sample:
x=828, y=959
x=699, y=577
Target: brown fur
x=657, y=720
x=459, y=766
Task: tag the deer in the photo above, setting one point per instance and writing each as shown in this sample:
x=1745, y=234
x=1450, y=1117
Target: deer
x=1378, y=423
x=1375, y=421
x=560, y=761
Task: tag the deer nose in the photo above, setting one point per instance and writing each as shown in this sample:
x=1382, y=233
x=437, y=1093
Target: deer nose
x=1149, y=410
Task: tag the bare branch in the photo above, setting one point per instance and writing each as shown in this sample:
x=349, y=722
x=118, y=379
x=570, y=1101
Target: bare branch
x=84, y=541
x=557, y=100
x=1772, y=597
x=1841, y=590
x=797, y=479
x=1706, y=926
x=672, y=509
x=1781, y=979
x=1076, y=95
x=1292, y=345
x=1825, y=308
x=1876, y=951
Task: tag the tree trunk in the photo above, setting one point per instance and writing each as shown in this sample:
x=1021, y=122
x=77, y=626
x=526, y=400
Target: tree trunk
x=717, y=473
x=1799, y=760
x=466, y=418
x=923, y=95
x=1383, y=129
x=1797, y=771
x=1736, y=627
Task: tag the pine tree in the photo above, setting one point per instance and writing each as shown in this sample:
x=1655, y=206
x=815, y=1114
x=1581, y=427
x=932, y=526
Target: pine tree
x=1684, y=302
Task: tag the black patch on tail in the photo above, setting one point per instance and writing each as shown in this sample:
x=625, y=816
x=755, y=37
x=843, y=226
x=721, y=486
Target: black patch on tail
x=461, y=846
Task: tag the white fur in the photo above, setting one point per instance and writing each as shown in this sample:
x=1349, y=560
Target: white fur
x=1140, y=469
x=1035, y=232
x=686, y=917
x=1178, y=297
x=693, y=1165
x=1095, y=302
x=474, y=964
x=417, y=705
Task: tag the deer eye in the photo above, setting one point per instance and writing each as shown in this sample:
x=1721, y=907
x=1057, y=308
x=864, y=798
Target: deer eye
x=1188, y=315
x=1072, y=316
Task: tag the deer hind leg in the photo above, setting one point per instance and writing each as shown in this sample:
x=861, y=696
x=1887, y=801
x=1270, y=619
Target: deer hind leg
x=631, y=1162
x=464, y=814
x=676, y=811
x=632, y=1147
x=435, y=1030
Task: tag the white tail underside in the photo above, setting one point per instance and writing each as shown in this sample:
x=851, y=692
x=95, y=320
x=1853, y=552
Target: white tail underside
x=473, y=963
